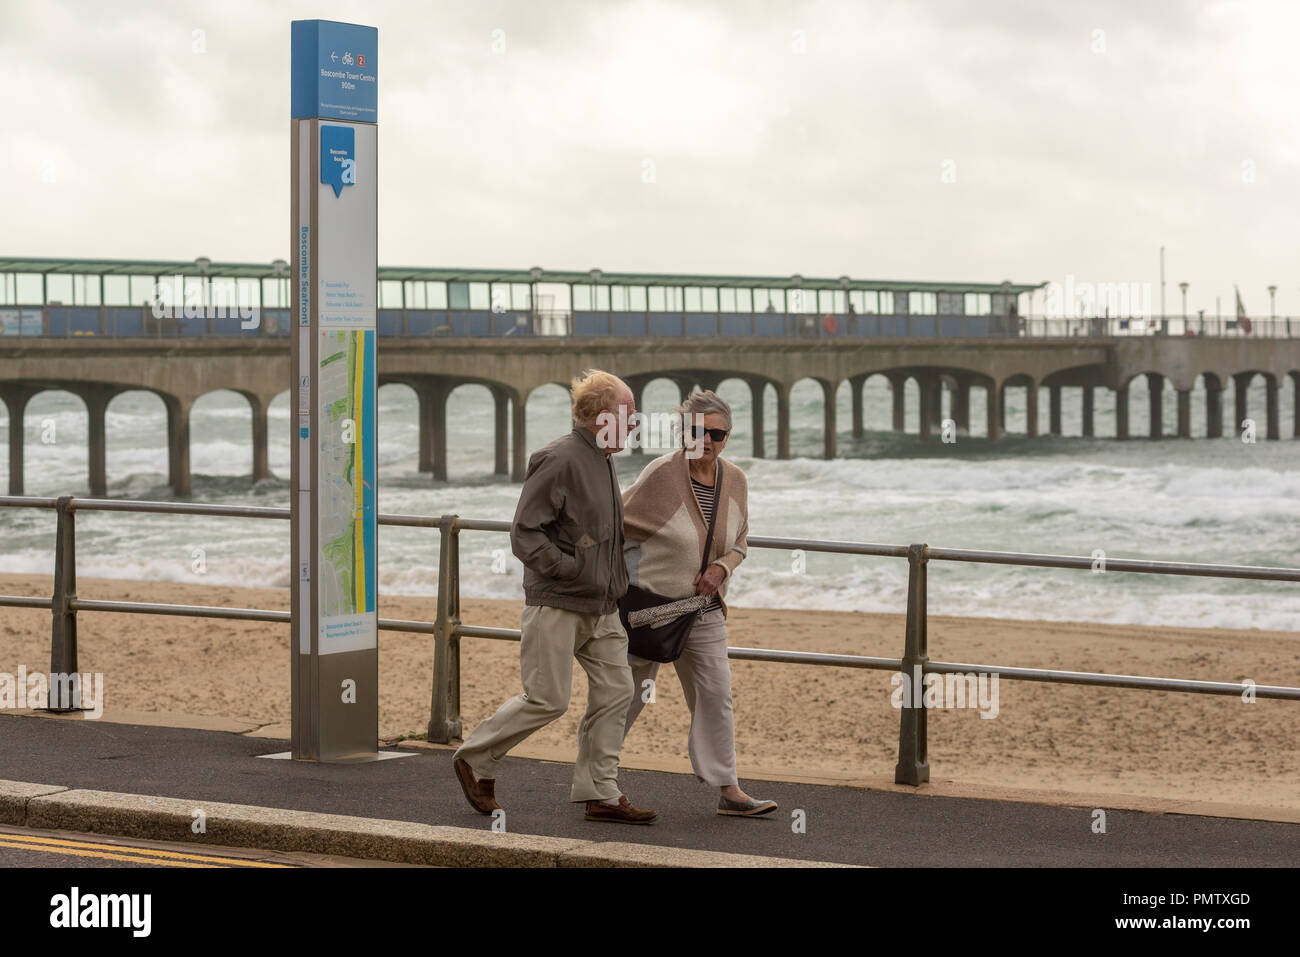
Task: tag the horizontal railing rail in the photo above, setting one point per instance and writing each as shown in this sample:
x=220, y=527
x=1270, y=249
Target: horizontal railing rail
x=448, y=629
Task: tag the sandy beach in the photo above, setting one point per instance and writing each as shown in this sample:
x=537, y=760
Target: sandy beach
x=805, y=720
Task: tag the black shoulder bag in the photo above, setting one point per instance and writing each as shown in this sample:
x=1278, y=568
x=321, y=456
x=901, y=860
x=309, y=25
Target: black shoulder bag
x=657, y=627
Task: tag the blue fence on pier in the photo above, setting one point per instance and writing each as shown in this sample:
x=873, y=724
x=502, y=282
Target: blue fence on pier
x=136, y=321
x=58, y=321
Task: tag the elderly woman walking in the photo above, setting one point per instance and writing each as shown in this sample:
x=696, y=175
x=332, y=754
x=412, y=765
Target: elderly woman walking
x=666, y=515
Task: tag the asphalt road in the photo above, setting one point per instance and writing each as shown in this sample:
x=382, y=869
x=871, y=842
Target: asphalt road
x=841, y=824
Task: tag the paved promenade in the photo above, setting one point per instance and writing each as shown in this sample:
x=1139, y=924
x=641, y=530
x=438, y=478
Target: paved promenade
x=845, y=825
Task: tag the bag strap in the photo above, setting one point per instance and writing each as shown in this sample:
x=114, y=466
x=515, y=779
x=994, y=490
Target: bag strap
x=713, y=520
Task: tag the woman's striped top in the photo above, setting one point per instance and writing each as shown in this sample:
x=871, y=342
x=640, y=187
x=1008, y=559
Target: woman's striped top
x=704, y=495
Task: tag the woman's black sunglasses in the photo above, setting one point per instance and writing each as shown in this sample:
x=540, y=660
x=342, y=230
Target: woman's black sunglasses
x=717, y=435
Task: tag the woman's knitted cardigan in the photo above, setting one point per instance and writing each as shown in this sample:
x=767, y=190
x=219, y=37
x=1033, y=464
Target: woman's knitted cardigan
x=664, y=528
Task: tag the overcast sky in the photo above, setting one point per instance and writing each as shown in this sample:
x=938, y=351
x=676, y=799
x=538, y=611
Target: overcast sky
x=978, y=141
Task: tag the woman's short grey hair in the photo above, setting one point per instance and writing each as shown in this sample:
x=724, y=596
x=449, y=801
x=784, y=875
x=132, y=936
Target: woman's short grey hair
x=704, y=403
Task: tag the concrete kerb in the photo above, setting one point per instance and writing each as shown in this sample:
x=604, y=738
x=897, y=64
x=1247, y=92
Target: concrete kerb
x=239, y=825
x=14, y=796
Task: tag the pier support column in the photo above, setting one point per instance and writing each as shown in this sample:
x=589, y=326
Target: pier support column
x=1089, y=399
x=1272, y=387
x=261, y=454
x=1156, y=416
x=828, y=418
x=1002, y=410
x=898, y=398
x=637, y=385
x=178, y=443
x=1031, y=409
x=1295, y=414
x=855, y=393
x=1054, y=409
x=16, y=399
x=1184, y=413
x=1213, y=410
x=931, y=393
x=424, y=414
x=993, y=404
x=782, y=420
x=518, y=437
x=961, y=407
x=501, y=432
x=709, y=381
x=757, y=392
x=435, y=424
x=1121, y=412
x=1240, y=384
x=96, y=400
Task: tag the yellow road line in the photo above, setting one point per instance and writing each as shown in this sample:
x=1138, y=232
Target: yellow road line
x=48, y=843
x=100, y=855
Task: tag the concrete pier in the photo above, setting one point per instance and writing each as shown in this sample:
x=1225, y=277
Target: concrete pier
x=181, y=371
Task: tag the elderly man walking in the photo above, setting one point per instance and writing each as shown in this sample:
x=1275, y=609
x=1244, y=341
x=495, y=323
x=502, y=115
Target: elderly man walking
x=568, y=532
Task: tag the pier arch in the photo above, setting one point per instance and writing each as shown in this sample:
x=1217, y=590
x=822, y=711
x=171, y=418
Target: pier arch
x=1272, y=424
x=258, y=406
x=1029, y=415
x=1210, y=385
x=1294, y=379
x=1152, y=386
x=808, y=391
x=95, y=398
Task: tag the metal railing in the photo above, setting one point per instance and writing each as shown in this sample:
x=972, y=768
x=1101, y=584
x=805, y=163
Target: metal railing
x=448, y=629
x=1049, y=327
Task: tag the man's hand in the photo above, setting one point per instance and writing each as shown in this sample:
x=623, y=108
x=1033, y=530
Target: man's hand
x=707, y=584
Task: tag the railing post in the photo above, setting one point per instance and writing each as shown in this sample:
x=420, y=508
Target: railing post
x=444, y=717
x=63, y=642
x=913, y=746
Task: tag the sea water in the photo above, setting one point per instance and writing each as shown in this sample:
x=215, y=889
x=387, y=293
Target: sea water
x=1222, y=501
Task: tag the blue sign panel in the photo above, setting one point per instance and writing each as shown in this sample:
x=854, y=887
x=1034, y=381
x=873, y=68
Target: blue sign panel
x=334, y=73
x=338, y=157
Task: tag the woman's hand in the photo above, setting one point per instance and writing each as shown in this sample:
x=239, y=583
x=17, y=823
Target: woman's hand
x=707, y=584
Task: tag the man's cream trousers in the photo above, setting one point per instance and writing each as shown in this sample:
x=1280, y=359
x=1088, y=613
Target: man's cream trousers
x=552, y=638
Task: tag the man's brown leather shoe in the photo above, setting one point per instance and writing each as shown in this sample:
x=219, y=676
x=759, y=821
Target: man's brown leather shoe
x=478, y=791
x=623, y=812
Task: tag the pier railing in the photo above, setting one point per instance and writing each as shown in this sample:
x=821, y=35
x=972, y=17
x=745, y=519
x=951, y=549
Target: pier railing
x=448, y=629
x=141, y=322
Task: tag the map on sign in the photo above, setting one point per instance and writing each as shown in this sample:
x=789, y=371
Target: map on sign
x=346, y=475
